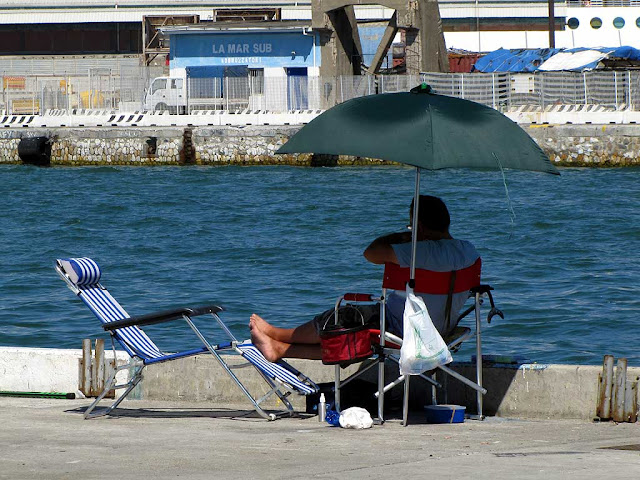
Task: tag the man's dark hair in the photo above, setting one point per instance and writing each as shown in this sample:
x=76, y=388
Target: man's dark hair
x=433, y=213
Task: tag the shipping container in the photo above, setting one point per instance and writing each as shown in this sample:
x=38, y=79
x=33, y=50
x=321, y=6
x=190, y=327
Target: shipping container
x=462, y=63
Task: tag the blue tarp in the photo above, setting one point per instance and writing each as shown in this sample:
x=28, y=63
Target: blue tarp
x=529, y=60
x=518, y=60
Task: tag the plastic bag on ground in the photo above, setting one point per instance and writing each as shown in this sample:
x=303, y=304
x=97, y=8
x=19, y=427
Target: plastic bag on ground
x=355, y=417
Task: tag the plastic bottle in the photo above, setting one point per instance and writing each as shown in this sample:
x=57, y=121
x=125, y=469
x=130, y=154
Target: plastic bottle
x=333, y=418
x=322, y=408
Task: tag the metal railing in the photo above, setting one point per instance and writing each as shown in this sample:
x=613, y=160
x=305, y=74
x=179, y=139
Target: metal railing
x=129, y=89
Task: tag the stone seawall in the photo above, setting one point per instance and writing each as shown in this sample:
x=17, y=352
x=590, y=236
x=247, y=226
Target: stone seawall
x=566, y=145
x=589, y=145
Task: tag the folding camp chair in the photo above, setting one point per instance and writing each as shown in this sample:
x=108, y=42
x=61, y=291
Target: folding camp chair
x=82, y=276
x=387, y=345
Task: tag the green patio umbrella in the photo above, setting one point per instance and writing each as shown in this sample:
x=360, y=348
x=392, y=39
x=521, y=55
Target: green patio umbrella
x=422, y=129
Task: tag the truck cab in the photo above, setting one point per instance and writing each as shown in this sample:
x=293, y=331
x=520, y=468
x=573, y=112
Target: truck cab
x=166, y=94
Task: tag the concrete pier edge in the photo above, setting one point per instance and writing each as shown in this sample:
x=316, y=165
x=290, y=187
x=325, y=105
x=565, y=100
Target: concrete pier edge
x=577, y=145
x=535, y=391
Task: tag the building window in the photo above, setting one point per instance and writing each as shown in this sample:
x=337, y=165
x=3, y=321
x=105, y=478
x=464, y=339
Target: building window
x=573, y=23
x=596, y=23
x=618, y=22
x=256, y=81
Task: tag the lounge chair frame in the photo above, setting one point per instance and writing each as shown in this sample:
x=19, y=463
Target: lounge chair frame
x=281, y=378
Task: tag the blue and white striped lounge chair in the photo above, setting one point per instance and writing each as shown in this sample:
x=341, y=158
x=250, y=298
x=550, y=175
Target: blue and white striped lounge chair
x=82, y=276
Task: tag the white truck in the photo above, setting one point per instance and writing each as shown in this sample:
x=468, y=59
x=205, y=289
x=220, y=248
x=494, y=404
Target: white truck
x=199, y=89
x=166, y=93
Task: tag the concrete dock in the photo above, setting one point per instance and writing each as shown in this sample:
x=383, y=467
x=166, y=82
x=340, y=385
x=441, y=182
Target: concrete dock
x=48, y=439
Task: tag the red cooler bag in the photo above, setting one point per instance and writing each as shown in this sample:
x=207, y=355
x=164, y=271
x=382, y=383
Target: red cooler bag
x=344, y=345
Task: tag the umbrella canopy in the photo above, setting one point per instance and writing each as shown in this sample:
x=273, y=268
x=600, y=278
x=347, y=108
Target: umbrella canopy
x=422, y=129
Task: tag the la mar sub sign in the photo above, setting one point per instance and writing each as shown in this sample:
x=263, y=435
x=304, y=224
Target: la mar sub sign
x=241, y=48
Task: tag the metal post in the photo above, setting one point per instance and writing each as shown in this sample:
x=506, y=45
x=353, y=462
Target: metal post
x=584, y=81
x=552, y=25
x=478, y=24
x=405, y=403
x=478, y=356
x=187, y=89
x=336, y=396
x=226, y=91
x=629, y=80
x=414, y=227
x=381, y=357
x=493, y=89
x=67, y=92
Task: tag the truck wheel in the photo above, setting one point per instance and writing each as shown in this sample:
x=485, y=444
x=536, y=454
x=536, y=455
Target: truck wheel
x=161, y=107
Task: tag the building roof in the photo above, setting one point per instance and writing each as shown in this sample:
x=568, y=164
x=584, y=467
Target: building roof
x=220, y=27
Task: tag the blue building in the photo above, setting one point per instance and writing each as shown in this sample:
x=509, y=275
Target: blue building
x=230, y=56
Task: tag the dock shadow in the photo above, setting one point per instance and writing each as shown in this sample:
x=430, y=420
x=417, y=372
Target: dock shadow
x=179, y=412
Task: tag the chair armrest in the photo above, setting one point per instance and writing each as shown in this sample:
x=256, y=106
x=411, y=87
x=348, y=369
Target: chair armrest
x=481, y=289
x=358, y=297
x=160, y=317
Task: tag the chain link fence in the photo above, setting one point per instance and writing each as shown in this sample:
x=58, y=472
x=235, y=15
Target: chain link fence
x=129, y=87
x=507, y=91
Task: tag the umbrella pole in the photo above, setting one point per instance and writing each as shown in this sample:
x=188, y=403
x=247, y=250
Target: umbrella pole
x=414, y=229
x=412, y=282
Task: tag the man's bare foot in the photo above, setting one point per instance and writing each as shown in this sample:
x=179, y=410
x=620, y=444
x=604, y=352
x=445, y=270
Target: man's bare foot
x=270, y=348
x=257, y=322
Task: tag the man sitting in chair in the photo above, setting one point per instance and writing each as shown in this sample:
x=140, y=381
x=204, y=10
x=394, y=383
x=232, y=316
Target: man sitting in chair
x=436, y=251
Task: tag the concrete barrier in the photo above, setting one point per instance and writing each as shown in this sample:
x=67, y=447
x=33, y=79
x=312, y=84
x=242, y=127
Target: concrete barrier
x=43, y=369
x=87, y=118
x=522, y=391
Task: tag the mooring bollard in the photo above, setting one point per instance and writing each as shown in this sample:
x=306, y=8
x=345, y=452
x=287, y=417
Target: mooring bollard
x=617, y=397
x=93, y=369
x=85, y=369
x=603, y=409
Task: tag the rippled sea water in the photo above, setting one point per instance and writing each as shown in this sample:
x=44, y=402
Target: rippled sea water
x=286, y=241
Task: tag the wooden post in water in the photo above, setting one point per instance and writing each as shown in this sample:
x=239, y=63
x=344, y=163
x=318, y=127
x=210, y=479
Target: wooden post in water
x=619, y=390
x=97, y=383
x=93, y=369
x=631, y=401
x=605, y=384
x=85, y=368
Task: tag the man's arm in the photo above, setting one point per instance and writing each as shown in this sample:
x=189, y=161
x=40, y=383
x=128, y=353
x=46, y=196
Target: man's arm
x=380, y=251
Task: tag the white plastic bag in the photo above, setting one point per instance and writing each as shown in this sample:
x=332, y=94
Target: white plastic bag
x=355, y=417
x=423, y=348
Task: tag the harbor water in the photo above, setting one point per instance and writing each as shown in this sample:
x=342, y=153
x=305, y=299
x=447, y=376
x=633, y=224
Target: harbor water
x=284, y=242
